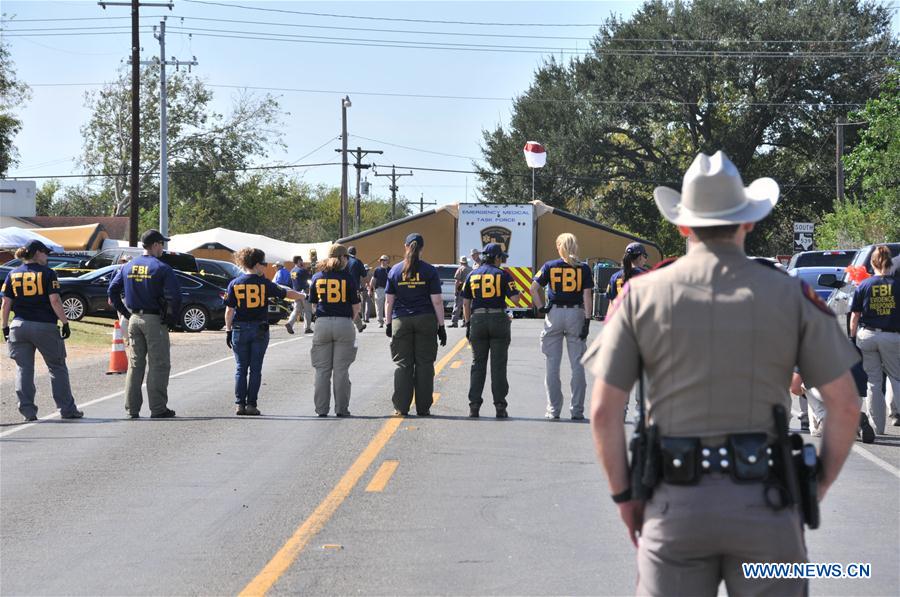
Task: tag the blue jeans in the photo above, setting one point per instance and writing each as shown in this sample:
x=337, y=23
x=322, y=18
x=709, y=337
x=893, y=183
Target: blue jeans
x=250, y=341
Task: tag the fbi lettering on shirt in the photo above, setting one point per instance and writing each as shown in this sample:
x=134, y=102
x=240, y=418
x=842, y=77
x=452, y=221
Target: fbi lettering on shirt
x=139, y=273
x=485, y=285
x=882, y=299
x=565, y=279
x=330, y=290
x=28, y=284
x=250, y=296
x=412, y=281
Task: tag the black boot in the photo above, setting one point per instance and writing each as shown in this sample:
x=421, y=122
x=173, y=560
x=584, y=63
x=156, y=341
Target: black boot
x=473, y=412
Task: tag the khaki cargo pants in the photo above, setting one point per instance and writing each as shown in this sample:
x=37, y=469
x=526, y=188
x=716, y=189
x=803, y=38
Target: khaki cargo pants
x=148, y=340
x=333, y=350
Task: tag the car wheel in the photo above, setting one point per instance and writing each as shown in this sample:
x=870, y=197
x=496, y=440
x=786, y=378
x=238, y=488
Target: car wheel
x=194, y=318
x=74, y=307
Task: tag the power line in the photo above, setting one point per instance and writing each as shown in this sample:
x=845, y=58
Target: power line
x=724, y=41
x=398, y=19
x=585, y=99
x=180, y=172
x=450, y=155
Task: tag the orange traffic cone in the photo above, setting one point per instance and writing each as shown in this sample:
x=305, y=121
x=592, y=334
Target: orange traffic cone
x=118, y=361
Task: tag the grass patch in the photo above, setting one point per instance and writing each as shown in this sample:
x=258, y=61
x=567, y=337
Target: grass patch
x=91, y=331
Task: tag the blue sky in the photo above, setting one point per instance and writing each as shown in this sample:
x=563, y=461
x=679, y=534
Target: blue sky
x=50, y=138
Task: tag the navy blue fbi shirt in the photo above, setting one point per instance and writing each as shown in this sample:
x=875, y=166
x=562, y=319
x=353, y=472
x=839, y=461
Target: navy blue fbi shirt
x=565, y=283
x=146, y=281
x=248, y=295
x=412, y=296
x=356, y=269
x=380, y=276
x=300, y=279
x=617, y=280
x=877, y=300
x=29, y=286
x=334, y=293
x=488, y=287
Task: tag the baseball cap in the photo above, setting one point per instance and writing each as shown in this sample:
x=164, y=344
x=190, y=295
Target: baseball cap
x=384, y=258
x=636, y=249
x=35, y=246
x=337, y=250
x=493, y=250
x=415, y=237
x=153, y=236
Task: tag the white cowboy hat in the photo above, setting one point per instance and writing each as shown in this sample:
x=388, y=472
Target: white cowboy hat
x=713, y=194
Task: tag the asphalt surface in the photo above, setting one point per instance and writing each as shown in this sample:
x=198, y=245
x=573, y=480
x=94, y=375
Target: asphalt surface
x=209, y=503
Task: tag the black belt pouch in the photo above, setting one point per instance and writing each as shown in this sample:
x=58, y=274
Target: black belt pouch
x=751, y=461
x=680, y=460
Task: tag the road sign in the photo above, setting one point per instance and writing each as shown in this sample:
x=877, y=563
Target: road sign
x=804, y=236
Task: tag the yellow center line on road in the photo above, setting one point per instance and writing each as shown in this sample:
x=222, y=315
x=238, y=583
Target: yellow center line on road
x=310, y=527
x=456, y=364
x=382, y=476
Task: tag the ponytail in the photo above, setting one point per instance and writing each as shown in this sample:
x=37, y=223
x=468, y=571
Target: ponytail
x=567, y=247
x=22, y=253
x=628, y=266
x=411, y=260
x=330, y=264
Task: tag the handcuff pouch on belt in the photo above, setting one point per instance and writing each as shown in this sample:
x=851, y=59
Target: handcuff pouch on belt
x=744, y=457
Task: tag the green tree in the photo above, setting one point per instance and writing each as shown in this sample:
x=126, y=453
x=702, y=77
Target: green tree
x=46, y=194
x=12, y=94
x=200, y=140
x=679, y=78
x=871, y=211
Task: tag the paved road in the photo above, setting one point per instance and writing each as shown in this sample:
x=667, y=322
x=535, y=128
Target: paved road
x=213, y=504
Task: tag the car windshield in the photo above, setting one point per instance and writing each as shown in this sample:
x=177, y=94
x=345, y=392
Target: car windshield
x=823, y=259
x=864, y=256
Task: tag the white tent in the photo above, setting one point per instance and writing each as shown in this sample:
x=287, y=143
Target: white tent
x=13, y=238
x=234, y=240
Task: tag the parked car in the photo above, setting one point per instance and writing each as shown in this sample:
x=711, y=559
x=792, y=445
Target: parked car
x=224, y=269
x=843, y=287
x=66, y=265
x=821, y=259
x=811, y=275
x=448, y=284
x=202, y=303
x=184, y=262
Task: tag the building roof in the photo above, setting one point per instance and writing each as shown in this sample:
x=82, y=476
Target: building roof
x=115, y=226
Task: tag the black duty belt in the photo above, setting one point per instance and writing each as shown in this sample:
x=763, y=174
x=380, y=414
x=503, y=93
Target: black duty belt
x=747, y=457
x=566, y=305
x=874, y=329
x=145, y=311
x=488, y=310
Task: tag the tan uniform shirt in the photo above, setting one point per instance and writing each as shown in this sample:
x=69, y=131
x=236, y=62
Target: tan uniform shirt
x=720, y=335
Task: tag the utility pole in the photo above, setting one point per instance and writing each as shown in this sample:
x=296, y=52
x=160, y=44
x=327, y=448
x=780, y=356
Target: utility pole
x=135, y=109
x=359, y=154
x=839, y=155
x=164, y=123
x=423, y=203
x=345, y=103
x=394, y=188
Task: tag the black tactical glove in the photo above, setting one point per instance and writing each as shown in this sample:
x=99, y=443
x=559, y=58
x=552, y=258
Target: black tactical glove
x=585, y=328
x=442, y=335
x=65, y=332
x=228, y=335
x=6, y=333
x=468, y=330
x=388, y=330
x=544, y=310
